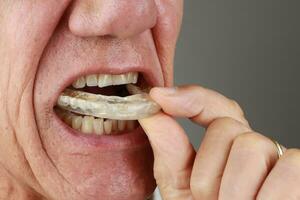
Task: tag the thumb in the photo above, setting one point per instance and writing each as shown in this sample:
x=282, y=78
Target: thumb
x=173, y=155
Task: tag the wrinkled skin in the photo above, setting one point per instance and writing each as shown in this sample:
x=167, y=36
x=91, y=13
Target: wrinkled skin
x=44, y=42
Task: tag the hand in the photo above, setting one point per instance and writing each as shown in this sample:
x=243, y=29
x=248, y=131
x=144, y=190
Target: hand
x=233, y=161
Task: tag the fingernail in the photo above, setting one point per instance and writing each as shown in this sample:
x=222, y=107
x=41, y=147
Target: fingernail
x=167, y=90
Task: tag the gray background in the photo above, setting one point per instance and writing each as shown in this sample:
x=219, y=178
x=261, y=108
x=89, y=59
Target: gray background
x=249, y=51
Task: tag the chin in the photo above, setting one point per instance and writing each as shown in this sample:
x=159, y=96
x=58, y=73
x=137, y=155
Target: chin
x=117, y=176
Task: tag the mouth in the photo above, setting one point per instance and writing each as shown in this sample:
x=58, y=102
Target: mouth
x=106, y=104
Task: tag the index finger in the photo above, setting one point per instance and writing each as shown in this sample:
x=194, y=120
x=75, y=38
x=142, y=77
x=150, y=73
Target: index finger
x=201, y=105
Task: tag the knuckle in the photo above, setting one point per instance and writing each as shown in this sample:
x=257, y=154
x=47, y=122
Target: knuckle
x=200, y=188
x=178, y=181
x=236, y=106
x=252, y=142
x=255, y=147
x=191, y=104
x=226, y=125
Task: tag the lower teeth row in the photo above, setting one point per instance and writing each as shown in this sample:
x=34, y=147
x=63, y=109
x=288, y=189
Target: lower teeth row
x=98, y=126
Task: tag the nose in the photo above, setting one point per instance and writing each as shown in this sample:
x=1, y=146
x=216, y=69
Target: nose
x=117, y=18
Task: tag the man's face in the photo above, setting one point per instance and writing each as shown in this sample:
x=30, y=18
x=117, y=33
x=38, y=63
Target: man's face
x=47, y=45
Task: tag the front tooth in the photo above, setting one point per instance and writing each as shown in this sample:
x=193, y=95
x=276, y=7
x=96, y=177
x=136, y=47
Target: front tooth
x=107, y=126
x=92, y=80
x=121, y=125
x=79, y=83
x=104, y=80
x=76, y=122
x=119, y=79
x=87, y=124
x=98, y=126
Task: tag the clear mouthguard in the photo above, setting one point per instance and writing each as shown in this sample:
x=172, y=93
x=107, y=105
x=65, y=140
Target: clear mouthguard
x=136, y=106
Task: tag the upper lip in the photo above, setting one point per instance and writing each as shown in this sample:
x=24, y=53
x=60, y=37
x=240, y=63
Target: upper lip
x=148, y=74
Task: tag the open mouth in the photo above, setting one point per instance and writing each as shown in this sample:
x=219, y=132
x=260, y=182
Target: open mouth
x=106, y=104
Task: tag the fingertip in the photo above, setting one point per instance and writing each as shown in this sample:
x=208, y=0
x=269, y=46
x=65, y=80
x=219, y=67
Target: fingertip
x=165, y=91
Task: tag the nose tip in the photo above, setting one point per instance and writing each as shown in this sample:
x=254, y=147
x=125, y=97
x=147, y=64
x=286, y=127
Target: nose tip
x=112, y=17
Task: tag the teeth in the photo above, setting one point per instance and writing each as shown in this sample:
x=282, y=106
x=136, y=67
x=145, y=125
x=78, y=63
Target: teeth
x=110, y=107
x=79, y=83
x=92, y=80
x=98, y=126
x=87, y=124
x=105, y=114
x=120, y=79
x=108, y=126
x=76, y=122
x=103, y=80
x=133, y=77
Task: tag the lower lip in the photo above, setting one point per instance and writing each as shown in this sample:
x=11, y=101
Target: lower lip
x=127, y=140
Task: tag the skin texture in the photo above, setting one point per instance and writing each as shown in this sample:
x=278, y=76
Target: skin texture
x=42, y=43
x=233, y=161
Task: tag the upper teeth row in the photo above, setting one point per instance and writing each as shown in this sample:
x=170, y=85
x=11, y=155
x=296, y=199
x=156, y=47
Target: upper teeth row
x=103, y=80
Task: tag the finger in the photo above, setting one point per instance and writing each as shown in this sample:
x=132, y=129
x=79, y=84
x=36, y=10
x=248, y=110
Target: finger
x=284, y=179
x=173, y=156
x=200, y=104
x=204, y=107
x=212, y=157
x=251, y=157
